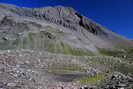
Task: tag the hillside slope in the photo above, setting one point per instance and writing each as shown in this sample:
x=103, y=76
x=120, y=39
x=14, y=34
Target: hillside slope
x=56, y=29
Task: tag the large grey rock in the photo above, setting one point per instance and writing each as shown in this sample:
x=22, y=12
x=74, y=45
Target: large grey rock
x=118, y=80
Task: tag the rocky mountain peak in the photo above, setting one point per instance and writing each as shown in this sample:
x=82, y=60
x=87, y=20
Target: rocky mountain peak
x=65, y=16
x=68, y=17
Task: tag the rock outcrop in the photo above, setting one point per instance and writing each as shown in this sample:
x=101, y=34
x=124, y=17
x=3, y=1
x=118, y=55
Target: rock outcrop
x=64, y=16
x=118, y=81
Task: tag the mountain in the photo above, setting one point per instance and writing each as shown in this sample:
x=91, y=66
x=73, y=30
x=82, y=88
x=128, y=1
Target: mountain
x=56, y=29
x=58, y=48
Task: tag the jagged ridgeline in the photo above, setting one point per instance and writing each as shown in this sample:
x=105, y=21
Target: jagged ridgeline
x=55, y=29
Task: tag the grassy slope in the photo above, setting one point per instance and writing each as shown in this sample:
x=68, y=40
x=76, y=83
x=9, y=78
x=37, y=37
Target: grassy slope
x=43, y=40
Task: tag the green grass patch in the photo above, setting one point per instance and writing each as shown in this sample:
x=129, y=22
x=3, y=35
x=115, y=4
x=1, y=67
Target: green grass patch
x=92, y=79
x=107, y=52
x=67, y=67
x=66, y=49
x=110, y=64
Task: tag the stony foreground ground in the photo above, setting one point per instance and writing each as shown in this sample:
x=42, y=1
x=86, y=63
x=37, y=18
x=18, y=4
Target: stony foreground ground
x=30, y=70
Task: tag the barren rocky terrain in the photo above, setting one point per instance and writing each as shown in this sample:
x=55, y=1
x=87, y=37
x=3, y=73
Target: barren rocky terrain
x=57, y=48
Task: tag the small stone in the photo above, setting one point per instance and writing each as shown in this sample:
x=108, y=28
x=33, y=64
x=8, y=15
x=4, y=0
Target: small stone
x=11, y=84
x=121, y=88
x=122, y=85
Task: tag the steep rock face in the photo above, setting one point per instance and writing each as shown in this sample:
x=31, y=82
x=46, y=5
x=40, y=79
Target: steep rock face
x=72, y=28
x=64, y=16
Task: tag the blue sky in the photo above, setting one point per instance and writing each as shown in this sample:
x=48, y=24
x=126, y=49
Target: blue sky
x=116, y=15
